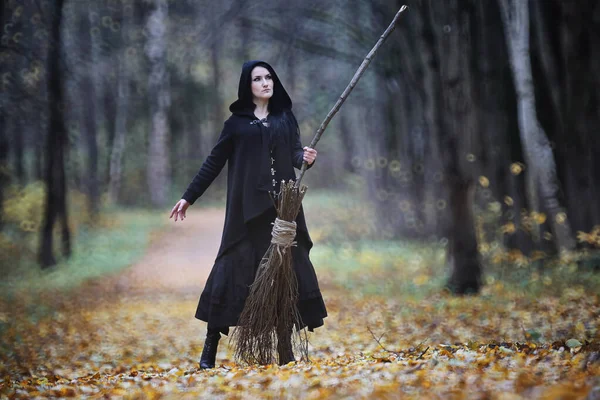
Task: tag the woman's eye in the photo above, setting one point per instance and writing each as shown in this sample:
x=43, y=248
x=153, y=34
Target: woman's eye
x=268, y=77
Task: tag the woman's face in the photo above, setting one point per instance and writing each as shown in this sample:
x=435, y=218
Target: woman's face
x=262, y=83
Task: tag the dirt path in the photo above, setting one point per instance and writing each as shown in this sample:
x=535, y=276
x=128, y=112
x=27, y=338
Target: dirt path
x=181, y=257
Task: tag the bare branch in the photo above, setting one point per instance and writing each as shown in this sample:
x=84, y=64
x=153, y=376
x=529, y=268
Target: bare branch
x=423, y=353
x=378, y=340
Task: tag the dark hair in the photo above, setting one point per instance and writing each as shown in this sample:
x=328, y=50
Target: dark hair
x=280, y=126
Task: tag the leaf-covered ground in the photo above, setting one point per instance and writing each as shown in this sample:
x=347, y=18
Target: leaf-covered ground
x=133, y=335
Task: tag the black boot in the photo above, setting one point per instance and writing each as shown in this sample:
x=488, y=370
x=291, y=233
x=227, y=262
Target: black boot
x=209, y=352
x=286, y=356
x=284, y=349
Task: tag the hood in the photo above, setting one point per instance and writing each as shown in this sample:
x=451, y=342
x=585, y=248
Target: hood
x=279, y=102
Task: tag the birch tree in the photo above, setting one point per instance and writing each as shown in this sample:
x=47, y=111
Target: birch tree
x=541, y=167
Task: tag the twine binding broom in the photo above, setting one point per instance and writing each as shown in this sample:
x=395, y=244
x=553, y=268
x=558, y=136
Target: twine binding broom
x=270, y=312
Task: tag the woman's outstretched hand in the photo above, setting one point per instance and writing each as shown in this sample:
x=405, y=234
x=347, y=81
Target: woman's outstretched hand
x=309, y=154
x=179, y=209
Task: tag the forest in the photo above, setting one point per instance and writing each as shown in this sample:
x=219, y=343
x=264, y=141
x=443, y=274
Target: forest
x=454, y=202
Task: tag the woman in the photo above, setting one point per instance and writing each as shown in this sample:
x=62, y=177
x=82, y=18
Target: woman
x=261, y=144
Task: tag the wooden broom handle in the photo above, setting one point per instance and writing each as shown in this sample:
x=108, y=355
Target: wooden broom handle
x=349, y=88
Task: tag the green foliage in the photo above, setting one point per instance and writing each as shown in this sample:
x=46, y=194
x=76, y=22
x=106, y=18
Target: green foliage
x=98, y=250
x=536, y=273
x=23, y=217
x=22, y=213
x=351, y=251
x=338, y=217
x=103, y=245
x=134, y=180
x=23, y=206
x=383, y=267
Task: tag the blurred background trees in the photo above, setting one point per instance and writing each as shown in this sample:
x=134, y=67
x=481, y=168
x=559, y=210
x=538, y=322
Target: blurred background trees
x=475, y=127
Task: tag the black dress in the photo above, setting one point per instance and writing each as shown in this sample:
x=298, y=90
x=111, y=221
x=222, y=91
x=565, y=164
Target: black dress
x=227, y=287
x=258, y=158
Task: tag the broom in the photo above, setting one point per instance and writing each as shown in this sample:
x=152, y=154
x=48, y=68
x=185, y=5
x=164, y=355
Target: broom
x=270, y=313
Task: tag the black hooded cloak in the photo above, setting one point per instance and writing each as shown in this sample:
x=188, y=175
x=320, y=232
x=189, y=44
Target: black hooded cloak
x=251, y=150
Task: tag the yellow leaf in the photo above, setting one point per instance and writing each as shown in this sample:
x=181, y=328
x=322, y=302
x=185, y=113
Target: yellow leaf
x=516, y=168
x=421, y=280
x=484, y=181
x=526, y=380
x=508, y=228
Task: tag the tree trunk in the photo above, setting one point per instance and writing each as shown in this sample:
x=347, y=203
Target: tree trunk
x=158, y=88
x=500, y=147
x=347, y=143
x=577, y=43
x=431, y=106
x=291, y=69
x=39, y=153
x=122, y=100
x=90, y=177
x=215, y=63
x=118, y=145
x=463, y=256
x=18, y=128
x=246, y=39
x=93, y=112
x=450, y=112
x=416, y=147
x=3, y=161
x=109, y=100
x=541, y=168
x=56, y=202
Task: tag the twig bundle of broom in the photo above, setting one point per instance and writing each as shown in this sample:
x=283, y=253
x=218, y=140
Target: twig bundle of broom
x=271, y=311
